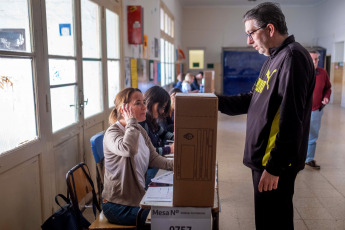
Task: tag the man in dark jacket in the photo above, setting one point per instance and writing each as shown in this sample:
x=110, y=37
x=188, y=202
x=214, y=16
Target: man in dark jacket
x=278, y=115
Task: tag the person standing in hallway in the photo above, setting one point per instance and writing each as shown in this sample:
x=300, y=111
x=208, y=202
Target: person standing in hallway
x=278, y=112
x=321, y=95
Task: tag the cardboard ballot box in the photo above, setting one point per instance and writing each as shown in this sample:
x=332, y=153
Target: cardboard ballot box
x=195, y=149
x=208, y=81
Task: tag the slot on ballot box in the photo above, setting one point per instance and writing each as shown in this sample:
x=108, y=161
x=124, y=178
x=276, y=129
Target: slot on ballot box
x=196, y=117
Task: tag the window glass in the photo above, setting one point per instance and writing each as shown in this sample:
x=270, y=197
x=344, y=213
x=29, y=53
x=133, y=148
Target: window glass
x=162, y=62
x=93, y=88
x=172, y=28
x=17, y=103
x=90, y=29
x=113, y=80
x=166, y=47
x=196, y=59
x=64, y=107
x=165, y=23
x=60, y=27
x=162, y=19
x=113, y=32
x=168, y=26
x=61, y=71
x=15, y=26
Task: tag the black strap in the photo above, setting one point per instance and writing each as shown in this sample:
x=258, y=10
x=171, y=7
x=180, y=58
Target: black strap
x=94, y=197
x=63, y=197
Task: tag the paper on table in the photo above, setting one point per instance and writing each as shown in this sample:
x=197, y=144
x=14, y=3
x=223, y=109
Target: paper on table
x=157, y=194
x=170, y=155
x=166, y=178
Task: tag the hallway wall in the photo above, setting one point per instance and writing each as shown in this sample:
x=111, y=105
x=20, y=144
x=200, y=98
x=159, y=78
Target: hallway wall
x=214, y=28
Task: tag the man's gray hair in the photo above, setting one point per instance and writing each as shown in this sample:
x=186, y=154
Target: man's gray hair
x=267, y=13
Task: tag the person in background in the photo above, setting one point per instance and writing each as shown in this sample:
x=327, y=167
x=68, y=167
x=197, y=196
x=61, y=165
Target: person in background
x=158, y=107
x=321, y=96
x=186, y=84
x=128, y=152
x=278, y=112
x=197, y=82
x=178, y=84
x=168, y=122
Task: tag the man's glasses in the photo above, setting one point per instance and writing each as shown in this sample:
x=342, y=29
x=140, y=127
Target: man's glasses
x=251, y=33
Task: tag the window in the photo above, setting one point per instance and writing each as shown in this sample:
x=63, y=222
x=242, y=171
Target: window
x=167, y=46
x=92, y=62
x=17, y=92
x=62, y=63
x=196, y=59
x=113, y=55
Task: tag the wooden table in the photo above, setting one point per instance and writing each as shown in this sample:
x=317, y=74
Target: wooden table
x=148, y=204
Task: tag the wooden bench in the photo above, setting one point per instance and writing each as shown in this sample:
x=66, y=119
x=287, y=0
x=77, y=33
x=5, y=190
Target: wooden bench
x=101, y=223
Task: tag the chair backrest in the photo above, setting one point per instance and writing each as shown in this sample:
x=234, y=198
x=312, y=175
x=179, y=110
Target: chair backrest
x=80, y=187
x=97, y=146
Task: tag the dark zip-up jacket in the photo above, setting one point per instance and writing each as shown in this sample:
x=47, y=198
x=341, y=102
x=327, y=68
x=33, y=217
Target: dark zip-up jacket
x=278, y=110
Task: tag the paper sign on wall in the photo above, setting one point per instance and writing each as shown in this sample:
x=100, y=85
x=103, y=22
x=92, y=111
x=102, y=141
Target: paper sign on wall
x=145, y=47
x=134, y=73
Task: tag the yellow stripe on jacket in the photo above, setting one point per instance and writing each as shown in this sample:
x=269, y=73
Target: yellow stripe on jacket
x=272, y=138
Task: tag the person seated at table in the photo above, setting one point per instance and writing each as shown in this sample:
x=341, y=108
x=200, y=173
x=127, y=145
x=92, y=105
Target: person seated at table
x=195, y=86
x=178, y=84
x=158, y=107
x=186, y=84
x=128, y=152
x=168, y=122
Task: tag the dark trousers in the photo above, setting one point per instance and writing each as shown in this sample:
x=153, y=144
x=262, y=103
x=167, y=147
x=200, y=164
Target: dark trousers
x=274, y=209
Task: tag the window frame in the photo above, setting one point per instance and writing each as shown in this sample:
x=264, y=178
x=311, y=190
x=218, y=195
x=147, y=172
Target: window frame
x=168, y=46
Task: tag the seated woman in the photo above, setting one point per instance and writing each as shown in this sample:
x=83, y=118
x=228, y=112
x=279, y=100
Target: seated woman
x=128, y=152
x=168, y=122
x=158, y=106
x=178, y=84
x=186, y=84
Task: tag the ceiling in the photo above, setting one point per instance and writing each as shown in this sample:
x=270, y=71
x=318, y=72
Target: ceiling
x=212, y=3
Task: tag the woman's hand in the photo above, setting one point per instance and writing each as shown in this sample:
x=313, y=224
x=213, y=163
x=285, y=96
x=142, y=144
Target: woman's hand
x=172, y=148
x=127, y=112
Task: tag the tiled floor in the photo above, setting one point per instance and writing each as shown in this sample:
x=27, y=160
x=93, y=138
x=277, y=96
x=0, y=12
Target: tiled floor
x=319, y=199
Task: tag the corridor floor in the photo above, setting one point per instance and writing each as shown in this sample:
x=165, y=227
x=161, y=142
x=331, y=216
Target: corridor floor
x=319, y=200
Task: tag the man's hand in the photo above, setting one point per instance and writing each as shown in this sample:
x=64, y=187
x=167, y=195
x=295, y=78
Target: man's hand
x=325, y=101
x=268, y=182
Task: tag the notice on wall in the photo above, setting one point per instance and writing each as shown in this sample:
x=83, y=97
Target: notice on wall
x=178, y=218
x=134, y=73
x=127, y=72
x=145, y=47
x=151, y=70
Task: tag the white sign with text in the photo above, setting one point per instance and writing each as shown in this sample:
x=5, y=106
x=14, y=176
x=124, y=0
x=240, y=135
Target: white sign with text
x=180, y=218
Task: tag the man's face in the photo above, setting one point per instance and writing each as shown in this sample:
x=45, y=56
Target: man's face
x=315, y=58
x=258, y=39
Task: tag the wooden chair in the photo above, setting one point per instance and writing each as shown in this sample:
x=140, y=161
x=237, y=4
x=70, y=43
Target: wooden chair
x=101, y=223
x=81, y=189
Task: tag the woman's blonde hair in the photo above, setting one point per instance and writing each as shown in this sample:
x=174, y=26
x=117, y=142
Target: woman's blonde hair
x=123, y=97
x=188, y=78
